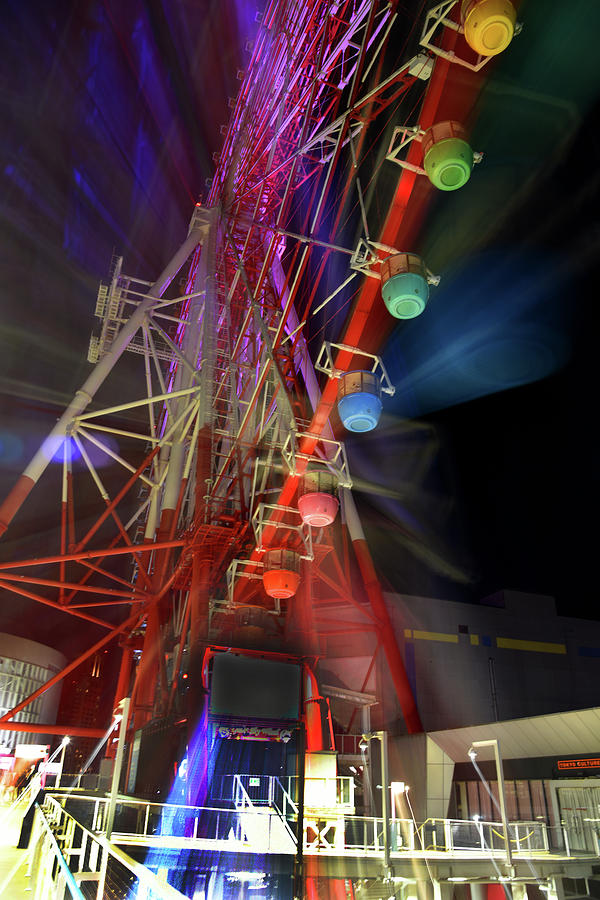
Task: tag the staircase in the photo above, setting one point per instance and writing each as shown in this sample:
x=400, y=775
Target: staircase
x=264, y=816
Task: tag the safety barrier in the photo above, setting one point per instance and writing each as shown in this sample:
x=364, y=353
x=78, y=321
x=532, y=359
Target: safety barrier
x=269, y=819
x=68, y=860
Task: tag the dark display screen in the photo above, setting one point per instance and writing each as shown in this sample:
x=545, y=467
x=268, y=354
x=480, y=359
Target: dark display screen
x=252, y=688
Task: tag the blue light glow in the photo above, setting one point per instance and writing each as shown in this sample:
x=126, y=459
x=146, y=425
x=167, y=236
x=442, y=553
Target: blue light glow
x=497, y=322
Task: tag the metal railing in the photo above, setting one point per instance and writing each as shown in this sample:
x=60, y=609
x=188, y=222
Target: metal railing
x=66, y=856
x=335, y=792
x=269, y=818
x=283, y=791
x=68, y=859
x=579, y=838
x=77, y=782
x=348, y=744
x=459, y=834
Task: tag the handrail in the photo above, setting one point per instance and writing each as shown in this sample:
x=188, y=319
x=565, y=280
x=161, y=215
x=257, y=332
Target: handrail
x=141, y=872
x=237, y=780
x=282, y=812
x=448, y=835
x=288, y=797
x=71, y=883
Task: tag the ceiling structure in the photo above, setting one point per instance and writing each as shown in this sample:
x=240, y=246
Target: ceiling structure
x=559, y=734
x=112, y=115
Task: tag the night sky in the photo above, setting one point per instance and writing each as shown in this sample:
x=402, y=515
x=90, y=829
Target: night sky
x=482, y=474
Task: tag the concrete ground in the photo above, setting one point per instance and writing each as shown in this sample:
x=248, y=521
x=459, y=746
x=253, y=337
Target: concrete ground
x=14, y=883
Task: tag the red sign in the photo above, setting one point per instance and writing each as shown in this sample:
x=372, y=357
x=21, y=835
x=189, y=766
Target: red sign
x=593, y=763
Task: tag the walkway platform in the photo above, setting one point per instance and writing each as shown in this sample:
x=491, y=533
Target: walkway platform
x=14, y=882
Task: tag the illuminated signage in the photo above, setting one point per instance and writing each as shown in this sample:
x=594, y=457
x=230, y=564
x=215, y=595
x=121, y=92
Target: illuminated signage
x=249, y=733
x=592, y=763
x=31, y=751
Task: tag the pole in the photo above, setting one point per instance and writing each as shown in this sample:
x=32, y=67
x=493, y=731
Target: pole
x=298, y=875
x=62, y=761
x=495, y=744
x=112, y=803
x=386, y=629
x=382, y=737
x=385, y=805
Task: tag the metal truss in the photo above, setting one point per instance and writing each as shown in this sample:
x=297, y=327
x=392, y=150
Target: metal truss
x=222, y=412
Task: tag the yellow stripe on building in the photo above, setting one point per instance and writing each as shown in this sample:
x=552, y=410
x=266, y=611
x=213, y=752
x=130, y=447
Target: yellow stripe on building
x=475, y=640
x=435, y=636
x=534, y=646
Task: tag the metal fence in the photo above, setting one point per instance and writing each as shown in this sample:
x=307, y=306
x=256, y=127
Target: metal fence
x=68, y=860
x=268, y=820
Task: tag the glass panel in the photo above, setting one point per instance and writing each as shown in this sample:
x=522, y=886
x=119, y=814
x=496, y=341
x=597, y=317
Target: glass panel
x=539, y=812
x=549, y=807
x=524, y=801
x=512, y=813
x=485, y=804
x=473, y=799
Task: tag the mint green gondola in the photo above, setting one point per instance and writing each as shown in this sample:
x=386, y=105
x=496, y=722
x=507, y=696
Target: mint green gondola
x=447, y=156
x=404, y=286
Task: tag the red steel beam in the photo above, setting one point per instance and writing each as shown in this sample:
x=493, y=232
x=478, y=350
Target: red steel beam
x=92, y=554
x=357, y=329
x=38, y=728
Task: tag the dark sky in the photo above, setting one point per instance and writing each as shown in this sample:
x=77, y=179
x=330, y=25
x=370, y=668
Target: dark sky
x=509, y=495
x=482, y=473
x=525, y=459
x=111, y=112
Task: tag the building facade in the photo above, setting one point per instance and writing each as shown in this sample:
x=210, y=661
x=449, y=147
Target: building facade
x=24, y=667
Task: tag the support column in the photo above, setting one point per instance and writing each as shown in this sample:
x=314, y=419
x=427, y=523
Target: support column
x=147, y=672
x=442, y=890
x=124, y=672
x=556, y=890
x=116, y=776
x=518, y=890
x=434, y=890
x=386, y=631
x=478, y=890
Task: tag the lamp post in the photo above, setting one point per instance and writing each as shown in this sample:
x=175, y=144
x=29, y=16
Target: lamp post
x=472, y=752
x=63, y=745
x=385, y=810
x=123, y=708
